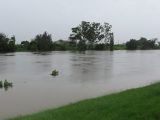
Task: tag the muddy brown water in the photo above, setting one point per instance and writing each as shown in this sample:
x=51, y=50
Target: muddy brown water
x=82, y=75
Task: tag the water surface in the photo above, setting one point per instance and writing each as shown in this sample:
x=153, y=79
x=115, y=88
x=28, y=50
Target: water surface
x=81, y=75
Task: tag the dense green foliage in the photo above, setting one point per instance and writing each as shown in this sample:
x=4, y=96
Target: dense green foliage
x=141, y=44
x=87, y=35
x=135, y=104
x=7, y=44
x=42, y=42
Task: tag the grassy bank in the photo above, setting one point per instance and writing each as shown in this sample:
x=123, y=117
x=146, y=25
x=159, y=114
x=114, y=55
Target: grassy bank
x=135, y=104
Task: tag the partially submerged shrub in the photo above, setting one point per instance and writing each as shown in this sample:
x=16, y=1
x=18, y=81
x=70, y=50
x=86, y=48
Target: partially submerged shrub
x=7, y=84
x=1, y=84
x=55, y=73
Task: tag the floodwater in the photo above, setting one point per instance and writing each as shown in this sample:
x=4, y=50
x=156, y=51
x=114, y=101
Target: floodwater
x=82, y=75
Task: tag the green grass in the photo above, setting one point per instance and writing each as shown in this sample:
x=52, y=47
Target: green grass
x=135, y=104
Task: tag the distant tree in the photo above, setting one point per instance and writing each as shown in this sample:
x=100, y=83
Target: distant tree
x=131, y=45
x=80, y=34
x=7, y=44
x=24, y=46
x=33, y=45
x=11, y=44
x=153, y=43
x=3, y=42
x=88, y=34
x=108, y=36
x=107, y=32
x=111, y=42
x=142, y=44
x=42, y=42
x=145, y=44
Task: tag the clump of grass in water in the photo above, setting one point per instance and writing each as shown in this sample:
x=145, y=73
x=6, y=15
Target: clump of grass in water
x=55, y=73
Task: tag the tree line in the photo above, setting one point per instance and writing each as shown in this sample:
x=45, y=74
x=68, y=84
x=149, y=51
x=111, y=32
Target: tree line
x=142, y=44
x=85, y=36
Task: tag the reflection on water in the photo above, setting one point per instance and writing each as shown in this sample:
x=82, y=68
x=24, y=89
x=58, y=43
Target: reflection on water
x=7, y=54
x=5, y=88
x=42, y=53
x=81, y=75
x=90, y=67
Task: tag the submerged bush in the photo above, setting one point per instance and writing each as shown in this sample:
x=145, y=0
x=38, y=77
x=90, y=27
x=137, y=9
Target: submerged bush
x=1, y=84
x=7, y=84
x=55, y=73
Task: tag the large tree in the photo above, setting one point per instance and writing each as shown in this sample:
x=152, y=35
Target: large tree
x=91, y=33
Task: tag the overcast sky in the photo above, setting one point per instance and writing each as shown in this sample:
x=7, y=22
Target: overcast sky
x=130, y=18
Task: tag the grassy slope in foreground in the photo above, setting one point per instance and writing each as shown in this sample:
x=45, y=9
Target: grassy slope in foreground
x=135, y=104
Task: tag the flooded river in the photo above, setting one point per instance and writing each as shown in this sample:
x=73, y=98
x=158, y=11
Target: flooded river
x=82, y=75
